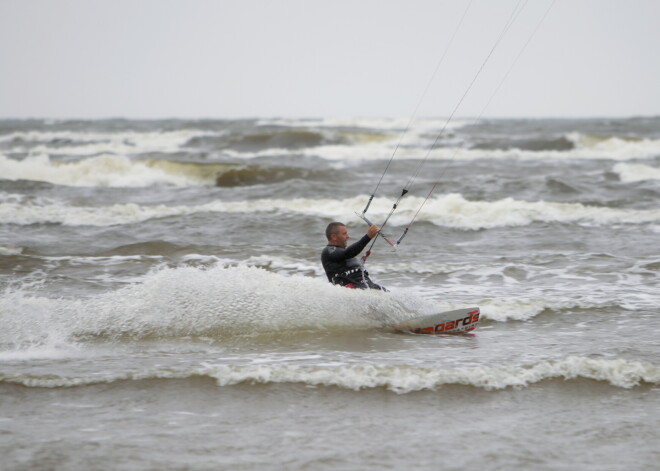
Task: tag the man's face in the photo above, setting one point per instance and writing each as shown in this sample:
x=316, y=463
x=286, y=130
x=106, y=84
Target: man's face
x=341, y=237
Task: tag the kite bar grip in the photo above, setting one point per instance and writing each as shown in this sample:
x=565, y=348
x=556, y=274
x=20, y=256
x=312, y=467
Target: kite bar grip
x=364, y=218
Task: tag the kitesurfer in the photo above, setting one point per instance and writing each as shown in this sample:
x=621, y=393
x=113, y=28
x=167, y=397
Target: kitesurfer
x=340, y=262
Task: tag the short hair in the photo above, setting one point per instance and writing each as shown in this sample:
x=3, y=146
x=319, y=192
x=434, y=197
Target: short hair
x=333, y=228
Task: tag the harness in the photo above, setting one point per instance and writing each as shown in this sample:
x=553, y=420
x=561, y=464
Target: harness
x=344, y=274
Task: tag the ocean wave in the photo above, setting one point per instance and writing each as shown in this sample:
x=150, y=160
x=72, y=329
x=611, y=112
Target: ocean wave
x=388, y=124
x=400, y=379
x=453, y=210
x=338, y=139
x=290, y=139
x=577, y=145
x=93, y=143
x=630, y=173
x=526, y=308
x=253, y=175
x=119, y=171
x=616, y=148
x=537, y=143
x=263, y=139
x=383, y=150
x=8, y=250
x=574, y=146
x=449, y=210
x=112, y=171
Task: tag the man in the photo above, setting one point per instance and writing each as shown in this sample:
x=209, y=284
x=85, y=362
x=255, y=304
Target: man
x=340, y=262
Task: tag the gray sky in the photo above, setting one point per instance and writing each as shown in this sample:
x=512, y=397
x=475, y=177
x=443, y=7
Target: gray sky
x=329, y=58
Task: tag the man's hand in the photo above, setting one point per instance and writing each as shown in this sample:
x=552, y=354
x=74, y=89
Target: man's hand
x=372, y=231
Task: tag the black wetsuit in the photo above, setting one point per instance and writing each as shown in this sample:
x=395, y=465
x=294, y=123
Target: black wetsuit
x=343, y=268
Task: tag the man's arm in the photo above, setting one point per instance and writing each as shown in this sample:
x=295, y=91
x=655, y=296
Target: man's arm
x=354, y=249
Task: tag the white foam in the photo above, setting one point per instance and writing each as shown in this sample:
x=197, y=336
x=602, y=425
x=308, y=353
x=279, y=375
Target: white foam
x=453, y=210
x=615, y=148
x=418, y=141
x=630, y=173
x=124, y=143
x=29, y=327
x=450, y=210
x=10, y=250
x=585, y=148
x=421, y=150
x=404, y=379
x=181, y=302
x=284, y=264
x=400, y=379
x=53, y=350
x=525, y=308
x=103, y=170
x=390, y=124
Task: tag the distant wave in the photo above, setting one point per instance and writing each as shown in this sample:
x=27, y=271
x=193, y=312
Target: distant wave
x=418, y=148
x=453, y=210
x=8, y=250
x=400, y=379
x=289, y=139
x=334, y=140
x=72, y=143
x=393, y=124
x=253, y=175
x=630, y=173
x=449, y=210
x=118, y=171
x=94, y=143
x=535, y=144
x=575, y=145
x=572, y=146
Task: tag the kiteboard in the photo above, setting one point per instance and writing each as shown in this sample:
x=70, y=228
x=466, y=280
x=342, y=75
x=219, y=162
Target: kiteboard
x=448, y=322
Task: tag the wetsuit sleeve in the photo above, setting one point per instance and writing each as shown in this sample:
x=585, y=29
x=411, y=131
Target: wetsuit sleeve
x=350, y=251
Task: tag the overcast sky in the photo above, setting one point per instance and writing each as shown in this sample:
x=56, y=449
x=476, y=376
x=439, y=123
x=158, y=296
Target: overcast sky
x=325, y=58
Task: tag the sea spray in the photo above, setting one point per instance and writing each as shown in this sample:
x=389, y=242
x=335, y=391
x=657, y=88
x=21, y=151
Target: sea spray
x=214, y=302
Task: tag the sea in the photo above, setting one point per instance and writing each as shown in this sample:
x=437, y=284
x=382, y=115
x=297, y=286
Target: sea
x=163, y=305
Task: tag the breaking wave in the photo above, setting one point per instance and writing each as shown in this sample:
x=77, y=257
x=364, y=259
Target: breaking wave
x=574, y=146
x=111, y=171
x=337, y=139
x=392, y=124
x=630, y=173
x=449, y=210
x=252, y=175
x=92, y=143
x=397, y=378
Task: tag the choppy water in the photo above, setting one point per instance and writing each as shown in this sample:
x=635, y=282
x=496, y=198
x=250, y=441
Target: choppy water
x=163, y=305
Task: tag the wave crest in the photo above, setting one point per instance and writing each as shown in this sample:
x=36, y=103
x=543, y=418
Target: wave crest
x=450, y=210
x=630, y=173
x=400, y=379
x=109, y=170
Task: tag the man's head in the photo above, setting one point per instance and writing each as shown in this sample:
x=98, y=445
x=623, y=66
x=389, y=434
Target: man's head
x=337, y=234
